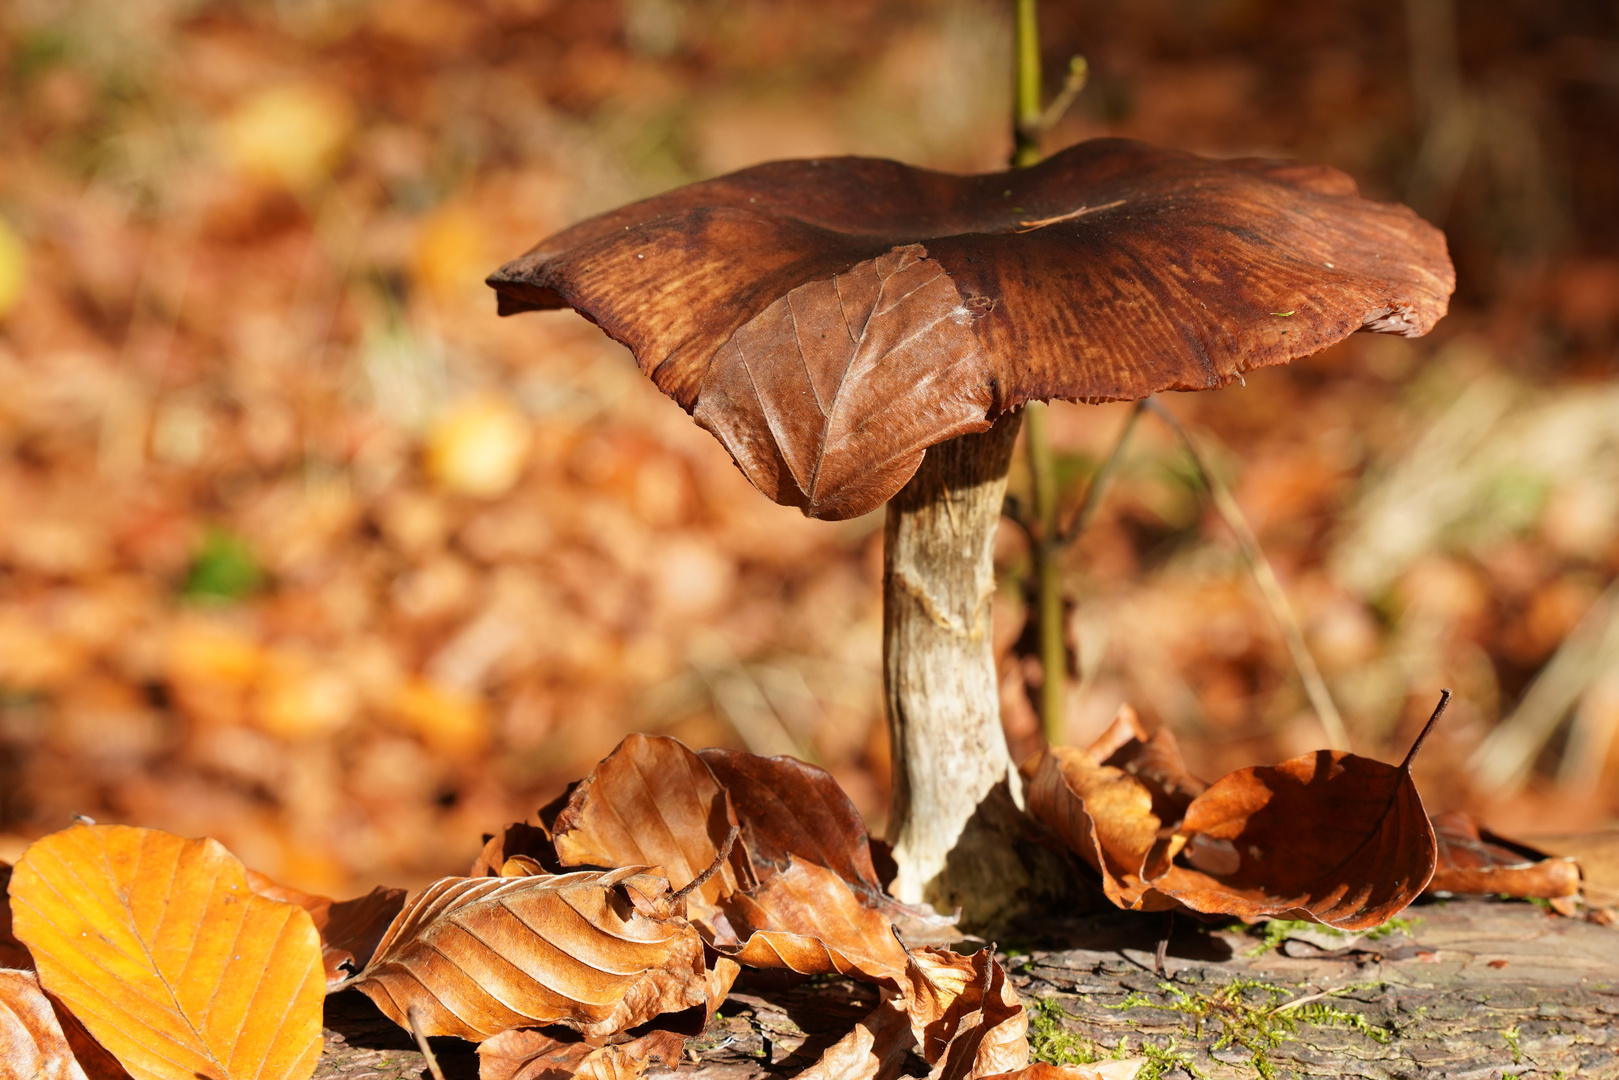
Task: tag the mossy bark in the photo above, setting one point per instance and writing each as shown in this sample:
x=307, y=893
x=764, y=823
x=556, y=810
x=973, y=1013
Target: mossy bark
x=1475, y=990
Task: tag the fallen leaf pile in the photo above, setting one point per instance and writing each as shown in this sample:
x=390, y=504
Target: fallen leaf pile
x=1328, y=837
x=591, y=941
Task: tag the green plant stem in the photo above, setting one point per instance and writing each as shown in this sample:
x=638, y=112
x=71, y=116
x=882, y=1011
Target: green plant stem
x=1027, y=115
x=1028, y=121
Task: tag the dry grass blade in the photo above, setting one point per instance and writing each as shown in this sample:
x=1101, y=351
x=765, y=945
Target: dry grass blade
x=1270, y=586
x=595, y=952
x=170, y=960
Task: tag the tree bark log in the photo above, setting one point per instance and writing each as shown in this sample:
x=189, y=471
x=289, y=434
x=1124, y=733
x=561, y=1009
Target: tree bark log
x=956, y=794
x=1477, y=990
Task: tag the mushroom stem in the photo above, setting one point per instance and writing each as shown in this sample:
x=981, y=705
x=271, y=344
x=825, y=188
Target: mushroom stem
x=956, y=795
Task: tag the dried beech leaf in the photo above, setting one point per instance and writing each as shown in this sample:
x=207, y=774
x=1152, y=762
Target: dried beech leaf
x=830, y=320
x=13, y=953
x=349, y=929
x=788, y=808
x=807, y=919
x=1475, y=860
x=597, y=952
x=967, y=1019
x=526, y=1054
x=1598, y=856
x=1105, y=816
x=875, y=1049
x=1327, y=837
x=174, y=965
x=32, y=1043
x=652, y=802
x=1113, y=803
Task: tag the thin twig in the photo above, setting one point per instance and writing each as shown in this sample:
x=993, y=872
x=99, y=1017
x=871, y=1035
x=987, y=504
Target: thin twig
x=713, y=868
x=1078, y=73
x=1270, y=587
x=1102, y=478
x=414, y=1015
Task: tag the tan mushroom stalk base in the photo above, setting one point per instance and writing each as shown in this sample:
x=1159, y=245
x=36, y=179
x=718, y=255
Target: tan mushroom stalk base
x=856, y=331
x=955, y=789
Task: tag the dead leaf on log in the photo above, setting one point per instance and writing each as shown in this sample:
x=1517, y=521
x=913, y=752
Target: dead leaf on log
x=789, y=809
x=652, y=802
x=967, y=1019
x=170, y=960
x=41, y=1041
x=597, y=952
x=807, y=919
x=1328, y=837
x=349, y=929
x=528, y=1054
x=1474, y=860
x=829, y=320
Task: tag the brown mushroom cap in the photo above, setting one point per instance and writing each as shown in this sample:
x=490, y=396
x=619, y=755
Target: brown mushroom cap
x=829, y=320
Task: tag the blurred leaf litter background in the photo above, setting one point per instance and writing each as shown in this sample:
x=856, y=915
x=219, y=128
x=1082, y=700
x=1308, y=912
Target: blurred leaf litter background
x=302, y=548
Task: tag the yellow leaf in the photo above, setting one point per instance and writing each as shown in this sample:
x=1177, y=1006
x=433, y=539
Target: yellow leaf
x=160, y=948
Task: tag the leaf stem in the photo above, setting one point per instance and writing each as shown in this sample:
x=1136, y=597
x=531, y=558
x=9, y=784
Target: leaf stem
x=1439, y=710
x=713, y=868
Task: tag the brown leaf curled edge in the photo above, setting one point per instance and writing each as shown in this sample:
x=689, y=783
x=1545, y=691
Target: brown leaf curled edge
x=1328, y=837
x=1474, y=860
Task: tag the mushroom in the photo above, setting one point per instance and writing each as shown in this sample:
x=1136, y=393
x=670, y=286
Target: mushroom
x=856, y=331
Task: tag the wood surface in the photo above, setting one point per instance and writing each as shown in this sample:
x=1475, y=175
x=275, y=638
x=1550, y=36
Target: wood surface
x=1478, y=990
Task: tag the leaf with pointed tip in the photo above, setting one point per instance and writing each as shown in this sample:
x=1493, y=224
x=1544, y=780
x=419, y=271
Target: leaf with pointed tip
x=829, y=320
x=168, y=958
x=597, y=952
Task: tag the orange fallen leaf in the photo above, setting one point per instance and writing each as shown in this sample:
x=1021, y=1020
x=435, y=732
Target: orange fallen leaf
x=597, y=952
x=170, y=960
